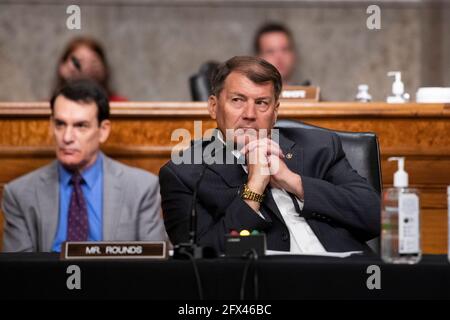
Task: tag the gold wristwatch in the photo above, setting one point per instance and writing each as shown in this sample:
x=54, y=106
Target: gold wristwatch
x=248, y=194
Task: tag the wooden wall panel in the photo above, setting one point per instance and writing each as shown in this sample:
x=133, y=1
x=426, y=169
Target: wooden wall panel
x=141, y=136
x=434, y=231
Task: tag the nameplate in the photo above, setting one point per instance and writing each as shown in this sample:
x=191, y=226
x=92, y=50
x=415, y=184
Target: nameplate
x=114, y=250
x=300, y=93
x=293, y=94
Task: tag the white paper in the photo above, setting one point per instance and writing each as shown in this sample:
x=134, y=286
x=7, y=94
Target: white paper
x=321, y=254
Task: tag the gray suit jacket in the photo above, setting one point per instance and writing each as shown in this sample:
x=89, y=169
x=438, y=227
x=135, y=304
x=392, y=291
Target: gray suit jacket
x=131, y=207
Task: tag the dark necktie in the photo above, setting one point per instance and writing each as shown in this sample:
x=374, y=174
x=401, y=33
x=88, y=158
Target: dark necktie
x=296, y=205
x=78, y=226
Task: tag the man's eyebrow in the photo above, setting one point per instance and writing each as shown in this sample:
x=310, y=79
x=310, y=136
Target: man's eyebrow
x=244, y=96
x=238, y=94
x=75, y=123
x=82, y=122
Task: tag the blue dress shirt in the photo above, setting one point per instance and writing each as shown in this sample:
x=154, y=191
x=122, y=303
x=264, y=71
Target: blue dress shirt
x=93, y=194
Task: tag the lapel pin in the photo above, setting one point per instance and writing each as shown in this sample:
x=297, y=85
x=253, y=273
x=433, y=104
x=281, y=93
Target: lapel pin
x=288, y=155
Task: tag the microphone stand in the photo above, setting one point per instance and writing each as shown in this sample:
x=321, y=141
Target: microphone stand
x=192, y=248
x=183, y=250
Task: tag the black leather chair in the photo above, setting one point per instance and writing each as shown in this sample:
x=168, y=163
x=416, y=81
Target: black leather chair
x=362, y=151
x=200, y=83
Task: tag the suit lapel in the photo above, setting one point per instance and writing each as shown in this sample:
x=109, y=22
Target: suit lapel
x=112, y=198
x=226, y=164
x=293, y=153
x=269, y=203
x=48, y=206
x=233, y=174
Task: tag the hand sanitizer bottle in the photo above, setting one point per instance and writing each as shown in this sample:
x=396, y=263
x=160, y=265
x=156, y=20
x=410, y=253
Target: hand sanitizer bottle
x=398, y=89
x=400, y=220
x=363, y=93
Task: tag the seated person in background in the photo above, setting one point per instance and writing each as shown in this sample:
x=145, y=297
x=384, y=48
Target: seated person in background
x=83, y=195
x=85, y=58
x=302, y=192
x=275, y=44
x=200, y=83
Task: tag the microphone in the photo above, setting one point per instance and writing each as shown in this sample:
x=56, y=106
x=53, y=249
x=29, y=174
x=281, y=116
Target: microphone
x=192, y=248
x=193, y=218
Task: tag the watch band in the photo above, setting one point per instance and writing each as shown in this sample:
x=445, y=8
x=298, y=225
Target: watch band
x=248, y=194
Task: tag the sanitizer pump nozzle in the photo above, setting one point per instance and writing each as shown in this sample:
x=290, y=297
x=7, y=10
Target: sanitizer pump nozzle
x=400, y=176
x=398, y=89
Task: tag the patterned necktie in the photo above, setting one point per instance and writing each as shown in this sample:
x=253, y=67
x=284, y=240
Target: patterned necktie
x=78, y=226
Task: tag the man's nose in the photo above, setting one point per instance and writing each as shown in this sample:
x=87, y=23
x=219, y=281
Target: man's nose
x=250, y=111
x=68, y=135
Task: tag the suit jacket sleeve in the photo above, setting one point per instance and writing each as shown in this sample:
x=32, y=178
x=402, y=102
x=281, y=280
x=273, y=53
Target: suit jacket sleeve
x=343, y=196
x=16, y=237
x=151, y=226
x=212, y=226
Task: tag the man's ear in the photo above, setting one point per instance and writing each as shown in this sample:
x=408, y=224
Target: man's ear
x=105, y=129
x=275, y=111
x=212, y=106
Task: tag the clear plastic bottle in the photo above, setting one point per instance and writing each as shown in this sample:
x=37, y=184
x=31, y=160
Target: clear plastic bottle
x=363, y=94
x=400, y=221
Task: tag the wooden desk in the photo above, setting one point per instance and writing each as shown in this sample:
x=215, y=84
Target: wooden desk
x=141, y=136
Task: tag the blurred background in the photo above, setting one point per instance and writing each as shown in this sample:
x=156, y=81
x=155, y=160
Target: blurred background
x=153, y=47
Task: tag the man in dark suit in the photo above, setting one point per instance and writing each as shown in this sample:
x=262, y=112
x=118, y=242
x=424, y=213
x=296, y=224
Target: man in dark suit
x=295, y=185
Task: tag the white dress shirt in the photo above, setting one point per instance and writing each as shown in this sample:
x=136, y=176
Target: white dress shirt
x=303, y=239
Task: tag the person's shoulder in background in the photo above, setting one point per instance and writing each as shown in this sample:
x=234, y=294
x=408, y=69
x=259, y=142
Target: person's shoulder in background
x=27, y=182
